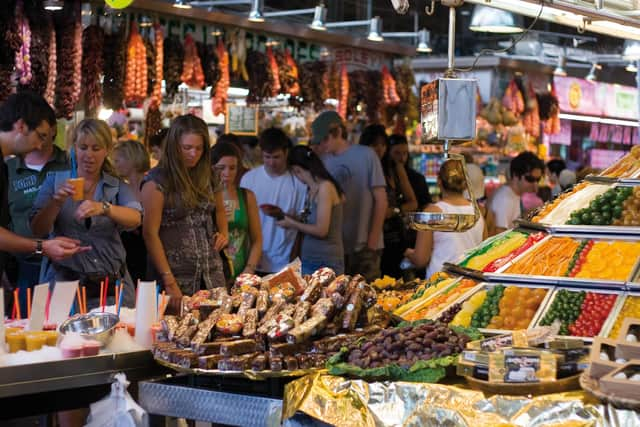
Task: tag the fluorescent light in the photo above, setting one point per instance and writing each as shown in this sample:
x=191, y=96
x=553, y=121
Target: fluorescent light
x=256, y=14
x=319, y=18
x=423, y=42
x=238, y=92
x=181, y=4
x=489, y=20
x=631, y=67
x=631, y=50
x=145, y=22
x=53, y=5
x=375, y=29
x=596, y=119
x=324, y=52
x=104, y=114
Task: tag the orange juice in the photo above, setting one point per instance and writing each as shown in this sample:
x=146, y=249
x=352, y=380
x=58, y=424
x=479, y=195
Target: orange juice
x=78, y=185
x=34, y=340
x=16, y=341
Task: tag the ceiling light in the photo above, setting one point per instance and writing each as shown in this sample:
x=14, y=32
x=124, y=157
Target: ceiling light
x=560, y=71
x=375, y=29
x=256, y=14
x=216, y=32
x=490, y=20
x=319, y=18
x=324, y=52
x=53, y=5
x=592, y=72
x=631, y=50
x=423, y=41
x=145, y=22
x=181, y=4
x=631, y=67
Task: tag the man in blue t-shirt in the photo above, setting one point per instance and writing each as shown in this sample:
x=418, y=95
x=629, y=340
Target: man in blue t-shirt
x=358, y=171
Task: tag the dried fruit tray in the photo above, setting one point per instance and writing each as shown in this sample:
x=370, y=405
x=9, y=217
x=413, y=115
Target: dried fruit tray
x=585, y=313
x=508, y=304
x=560, y=255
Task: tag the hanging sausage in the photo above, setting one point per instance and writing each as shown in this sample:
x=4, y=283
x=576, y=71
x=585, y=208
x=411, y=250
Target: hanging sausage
x=135, y=83
x=92, y=67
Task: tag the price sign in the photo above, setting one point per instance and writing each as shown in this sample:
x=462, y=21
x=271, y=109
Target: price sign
x=241, y=120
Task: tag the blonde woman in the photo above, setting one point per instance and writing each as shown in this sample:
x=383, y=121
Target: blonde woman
x=108, y=206
x=180, y=203
x=131, y=162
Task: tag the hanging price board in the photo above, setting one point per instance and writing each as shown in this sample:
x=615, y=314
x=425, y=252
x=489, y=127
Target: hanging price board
x=241, y=119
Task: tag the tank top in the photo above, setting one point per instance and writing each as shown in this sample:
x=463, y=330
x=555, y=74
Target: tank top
x=238, y=249
x=329, y=248
x=449, y=246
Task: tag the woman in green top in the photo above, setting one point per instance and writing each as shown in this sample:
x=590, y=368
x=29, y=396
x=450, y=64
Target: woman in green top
x=245, y=234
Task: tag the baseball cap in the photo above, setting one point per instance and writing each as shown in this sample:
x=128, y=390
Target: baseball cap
x=322, y=125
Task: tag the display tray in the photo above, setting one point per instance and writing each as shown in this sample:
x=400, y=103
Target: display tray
x=592, y=386
x=501, y=275
x=523, y=389
x=248, y=374
x=463, y=271
x=607, y=324
x=74, y=373
x=594, y=230
x=616, y=312
x=603, y=179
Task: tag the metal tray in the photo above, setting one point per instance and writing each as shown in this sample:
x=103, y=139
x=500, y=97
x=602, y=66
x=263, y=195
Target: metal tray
x=486, y=286
x=248, y=374
x=74, y=373
x=601, y=179
x=594, y=230
x=602, y=332
x=500, y=276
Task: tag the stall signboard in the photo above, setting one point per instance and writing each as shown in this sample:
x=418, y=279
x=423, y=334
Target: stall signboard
x=358, y=59
x=564, y=136
x=579, y=96
x=241, y=119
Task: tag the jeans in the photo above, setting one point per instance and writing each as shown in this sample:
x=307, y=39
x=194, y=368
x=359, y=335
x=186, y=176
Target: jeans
x=309, y=266
x=28, y=277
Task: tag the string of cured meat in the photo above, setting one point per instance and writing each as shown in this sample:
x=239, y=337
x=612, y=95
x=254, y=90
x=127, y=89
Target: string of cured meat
x=135, y=83
x=69, y=61
x=344, y=92
x=39, y=49
x=192, y=74
x=389, y=92
x=219, y=103
x=275, y=74
x=115, y=58
x=77, y=56
x=92, y=65
x=23, y=59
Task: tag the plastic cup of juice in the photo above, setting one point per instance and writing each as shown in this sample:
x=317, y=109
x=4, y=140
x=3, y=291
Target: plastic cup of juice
x=52, y=338
x=16, y=341
x=78, y=185
x=35, y=340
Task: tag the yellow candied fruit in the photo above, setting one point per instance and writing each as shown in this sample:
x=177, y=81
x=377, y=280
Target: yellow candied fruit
x=631, y=308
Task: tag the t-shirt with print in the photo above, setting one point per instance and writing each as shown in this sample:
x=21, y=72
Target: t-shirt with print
x=506, y=207
x=358, y=171
x=24, y=184
x=286, y=192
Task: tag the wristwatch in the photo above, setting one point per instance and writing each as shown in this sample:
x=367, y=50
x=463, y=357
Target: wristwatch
x=38, y=250
x=106, y=207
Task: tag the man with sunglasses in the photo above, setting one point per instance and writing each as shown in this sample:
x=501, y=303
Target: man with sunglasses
x=525, y=171
x=26, y=122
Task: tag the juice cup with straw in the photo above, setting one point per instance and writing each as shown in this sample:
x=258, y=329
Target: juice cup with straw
x=78, y=185
x=34, y=340
x=16, y=341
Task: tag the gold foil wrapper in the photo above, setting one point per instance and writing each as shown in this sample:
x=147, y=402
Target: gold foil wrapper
x=343, y=402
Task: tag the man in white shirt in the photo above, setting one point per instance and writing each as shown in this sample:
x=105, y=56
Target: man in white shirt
x=525, y=171
x=273, y=184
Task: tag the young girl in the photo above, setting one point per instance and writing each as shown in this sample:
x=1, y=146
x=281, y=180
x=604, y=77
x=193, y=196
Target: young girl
x=245, y=233
x=180, y=202
x=108, y=206
x=322, y=240
x=436, y=248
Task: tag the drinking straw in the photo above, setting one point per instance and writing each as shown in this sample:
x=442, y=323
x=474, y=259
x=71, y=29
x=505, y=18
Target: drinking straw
x=13, y=310
x=74, y=165
x=120, y=300
x=16, y=298
x=47, y=305
x=101, y=293
x=116, y=294
x=29, y=303
x=157, y=301
x=79, y=301
x=106, y=291
x=162, y=301
x=84, y=299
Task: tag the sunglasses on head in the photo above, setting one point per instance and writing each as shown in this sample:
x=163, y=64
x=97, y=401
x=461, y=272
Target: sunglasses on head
x=531, y=178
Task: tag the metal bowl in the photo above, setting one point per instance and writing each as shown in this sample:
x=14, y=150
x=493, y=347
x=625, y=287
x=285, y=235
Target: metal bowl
x=97, y=326
x=436, y=221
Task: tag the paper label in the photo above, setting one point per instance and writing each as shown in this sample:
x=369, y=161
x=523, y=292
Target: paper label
x=61, y=301
x=38, y=307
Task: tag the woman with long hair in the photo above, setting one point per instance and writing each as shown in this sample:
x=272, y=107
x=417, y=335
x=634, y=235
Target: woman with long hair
x=241, y=208
x=108, y=206
x=433, y=249
x=180, y=201
x=400, y=196
x=322, y=240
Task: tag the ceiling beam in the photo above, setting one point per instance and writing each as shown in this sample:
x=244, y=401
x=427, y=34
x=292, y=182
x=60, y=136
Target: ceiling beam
x=280, y=28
